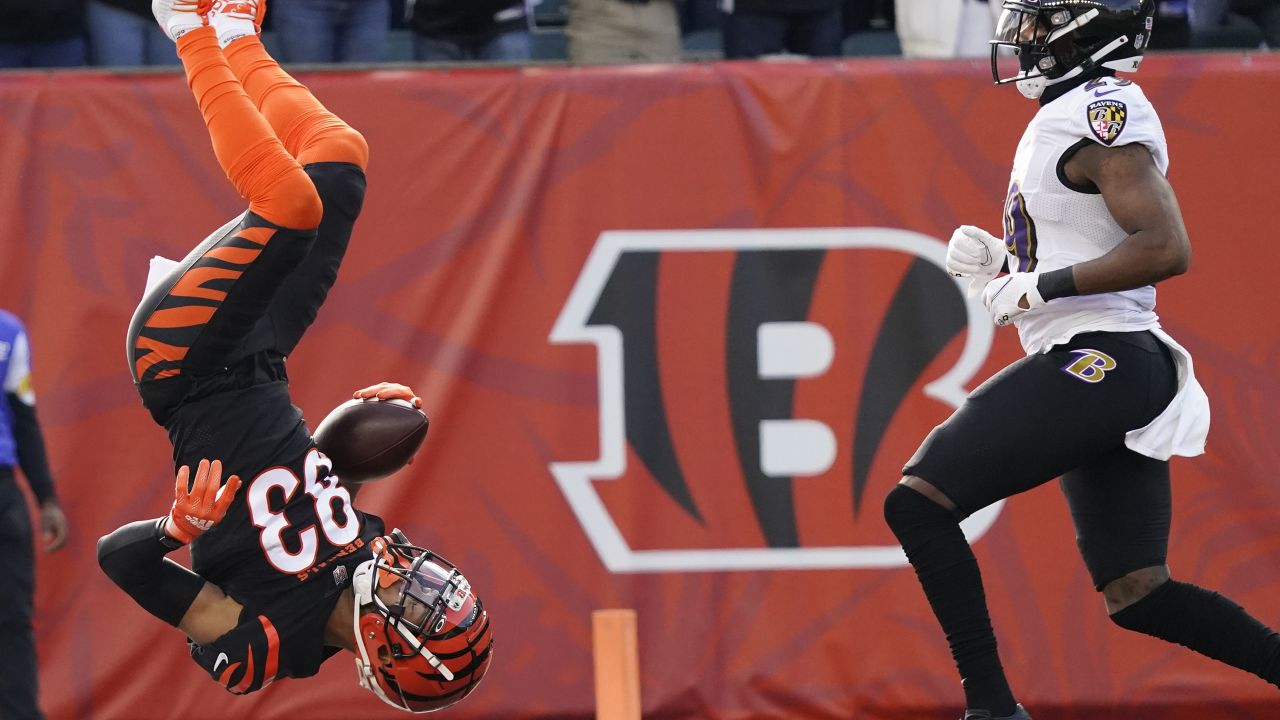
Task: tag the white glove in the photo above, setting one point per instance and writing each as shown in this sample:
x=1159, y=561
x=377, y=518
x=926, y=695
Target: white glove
x=975, y=253
x=1012, y=295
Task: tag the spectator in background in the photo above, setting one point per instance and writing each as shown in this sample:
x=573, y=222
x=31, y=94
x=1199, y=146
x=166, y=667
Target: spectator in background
x=868, y=15
x=1265, y=14
x=21, y=444
x=327, y=31
x=946, y=28
x=1172, y=25
x=42, y=33
x=768, y=27
x=1209, y=19
x=458, y=30
x=697, y=15
x=123, y=33
x=623, y=31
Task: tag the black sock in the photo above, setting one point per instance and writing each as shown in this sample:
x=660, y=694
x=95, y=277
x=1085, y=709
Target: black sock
x=1208, y=623
x=949, y=574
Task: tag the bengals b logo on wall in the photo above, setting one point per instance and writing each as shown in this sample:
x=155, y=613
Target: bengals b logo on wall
x=759, y=391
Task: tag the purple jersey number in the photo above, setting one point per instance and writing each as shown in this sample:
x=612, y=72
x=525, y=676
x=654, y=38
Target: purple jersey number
x=1019, y=230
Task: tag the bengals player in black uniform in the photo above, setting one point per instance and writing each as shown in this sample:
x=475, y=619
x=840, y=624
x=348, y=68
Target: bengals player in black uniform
x=287, y=572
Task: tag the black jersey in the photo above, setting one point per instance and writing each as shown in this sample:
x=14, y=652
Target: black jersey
x=290, y=540
x=292, y=519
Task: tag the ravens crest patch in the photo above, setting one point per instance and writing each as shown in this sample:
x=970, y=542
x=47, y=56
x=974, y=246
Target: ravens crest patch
x=1106, y=119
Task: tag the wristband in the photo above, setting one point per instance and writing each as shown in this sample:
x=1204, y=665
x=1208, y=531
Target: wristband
x=1057, y=284
x=163, y=538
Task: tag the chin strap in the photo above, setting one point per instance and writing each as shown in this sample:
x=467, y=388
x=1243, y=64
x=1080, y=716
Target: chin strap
x=1033, y=86
x=1092, y=62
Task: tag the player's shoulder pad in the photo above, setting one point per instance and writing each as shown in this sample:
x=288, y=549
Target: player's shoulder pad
x=1113, y=111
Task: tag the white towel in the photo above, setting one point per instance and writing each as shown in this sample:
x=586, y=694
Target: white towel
x=1184, y=425
x=158, y=270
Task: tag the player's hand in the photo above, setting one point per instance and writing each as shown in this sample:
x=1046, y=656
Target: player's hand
x=53, y=525
x=1012, y=295
x=976, y=254
x=389, y=391
x=204, y=505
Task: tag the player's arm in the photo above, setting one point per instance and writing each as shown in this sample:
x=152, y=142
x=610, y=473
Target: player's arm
x=1143, y=204
x=32, y=457
x=133, y=556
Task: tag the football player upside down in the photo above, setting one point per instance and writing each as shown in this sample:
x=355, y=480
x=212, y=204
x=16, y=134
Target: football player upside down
x=287, y=572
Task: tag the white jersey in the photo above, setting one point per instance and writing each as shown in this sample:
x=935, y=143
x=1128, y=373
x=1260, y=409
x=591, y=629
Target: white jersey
x=1051, y=224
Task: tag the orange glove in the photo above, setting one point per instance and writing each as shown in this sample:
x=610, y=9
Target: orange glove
x=389, y=391
x=204, y=506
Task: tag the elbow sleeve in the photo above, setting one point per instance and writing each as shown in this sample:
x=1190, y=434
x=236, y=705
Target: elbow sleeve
x=134, y=558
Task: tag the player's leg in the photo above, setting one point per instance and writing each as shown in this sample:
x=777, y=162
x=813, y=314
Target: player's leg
x=246, y=146
x=200, y=315
x=17, y=641
x=332, y=153
x=308, y=130
x=1122, y=505
x=1033, y=421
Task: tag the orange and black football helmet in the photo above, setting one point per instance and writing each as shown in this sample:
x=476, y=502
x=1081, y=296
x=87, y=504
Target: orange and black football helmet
x=423, y=638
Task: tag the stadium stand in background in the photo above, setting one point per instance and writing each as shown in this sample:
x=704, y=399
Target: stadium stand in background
x=63, y=32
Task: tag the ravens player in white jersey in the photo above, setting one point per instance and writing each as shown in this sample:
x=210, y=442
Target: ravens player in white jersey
x=1104, y=396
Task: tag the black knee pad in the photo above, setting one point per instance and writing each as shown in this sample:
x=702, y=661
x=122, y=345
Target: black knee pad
x=906, y=510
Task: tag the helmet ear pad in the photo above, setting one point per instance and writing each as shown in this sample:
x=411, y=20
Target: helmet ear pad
x=370, y=626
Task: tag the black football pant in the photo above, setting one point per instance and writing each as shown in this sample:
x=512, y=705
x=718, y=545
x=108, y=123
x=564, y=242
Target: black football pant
x=248, y=289
x=1065, y=413
x=17, y=588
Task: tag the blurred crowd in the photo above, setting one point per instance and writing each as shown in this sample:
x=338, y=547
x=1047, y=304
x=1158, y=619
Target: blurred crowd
x=121, y=33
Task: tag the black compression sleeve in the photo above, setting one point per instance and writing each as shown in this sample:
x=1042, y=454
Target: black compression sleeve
x=1208, y=623
x=134, y=558
x=31, y=453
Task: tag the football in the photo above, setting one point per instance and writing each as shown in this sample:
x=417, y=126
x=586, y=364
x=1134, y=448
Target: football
x=371, y=439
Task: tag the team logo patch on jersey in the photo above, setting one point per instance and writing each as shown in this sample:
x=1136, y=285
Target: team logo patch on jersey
x=1106, y=119
x=1090, y=365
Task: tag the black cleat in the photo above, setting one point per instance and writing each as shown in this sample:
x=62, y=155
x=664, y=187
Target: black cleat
x=1019, y=714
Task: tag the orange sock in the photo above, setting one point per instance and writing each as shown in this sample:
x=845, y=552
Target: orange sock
x=308, y=130
x=251, y=155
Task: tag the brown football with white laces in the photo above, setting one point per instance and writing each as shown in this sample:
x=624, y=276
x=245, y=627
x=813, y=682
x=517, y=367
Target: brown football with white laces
x=371, y=439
